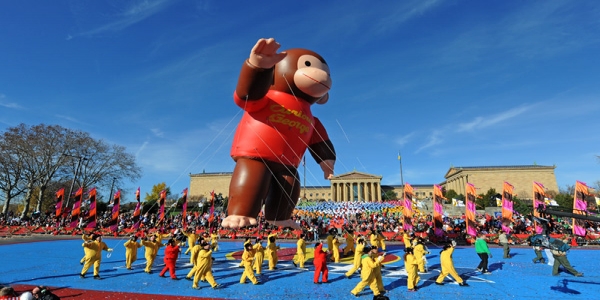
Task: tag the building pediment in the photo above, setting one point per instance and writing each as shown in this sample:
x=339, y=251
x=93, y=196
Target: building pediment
x=354, y=175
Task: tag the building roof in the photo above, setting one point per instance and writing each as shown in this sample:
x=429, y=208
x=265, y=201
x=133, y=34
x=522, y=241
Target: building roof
x=454, y=170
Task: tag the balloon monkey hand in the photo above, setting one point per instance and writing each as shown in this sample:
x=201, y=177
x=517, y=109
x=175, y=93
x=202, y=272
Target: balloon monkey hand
x=264, y=54
x=110, y=250
x=327, y=167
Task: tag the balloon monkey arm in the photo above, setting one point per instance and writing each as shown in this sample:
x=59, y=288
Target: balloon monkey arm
x=254, y=82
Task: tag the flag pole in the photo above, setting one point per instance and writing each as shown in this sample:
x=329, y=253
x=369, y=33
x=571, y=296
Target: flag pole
x=401, y=176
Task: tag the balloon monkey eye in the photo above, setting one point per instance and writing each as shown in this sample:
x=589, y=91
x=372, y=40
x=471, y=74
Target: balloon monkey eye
x=307, y=63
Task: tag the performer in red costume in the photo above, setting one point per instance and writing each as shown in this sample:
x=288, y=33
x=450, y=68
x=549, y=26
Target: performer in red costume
x=171, y=254
x=320, y=262
x=276, y=91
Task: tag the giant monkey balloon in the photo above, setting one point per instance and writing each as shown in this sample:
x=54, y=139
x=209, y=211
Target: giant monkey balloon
x=276, y=90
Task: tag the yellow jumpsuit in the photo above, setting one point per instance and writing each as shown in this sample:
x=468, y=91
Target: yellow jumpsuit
x=336, y=250
x=272, y=253
x=94, y=256
x=381, y=240
x=374, y=239
x=245, y=243
x=410, y=263
x=379, y=278
x=204, y=268
x=330, y=242
x=85, y=238
x=192, y=237
x=358, y=253
x=247, y=259
x=214, y=242
x=131, y=251
x=300, y=252
x=259, y=257
x=194, y=260
x=150, y=253
x=160, y=236
x=419, y=252
x=349, y=244
x=448, y=266
x=367, y=276
x=406, y=240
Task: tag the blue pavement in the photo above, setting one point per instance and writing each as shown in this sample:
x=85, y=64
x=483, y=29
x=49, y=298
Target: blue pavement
x=56, y=263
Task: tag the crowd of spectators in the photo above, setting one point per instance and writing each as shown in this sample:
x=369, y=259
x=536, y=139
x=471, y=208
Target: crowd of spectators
x=315, y=218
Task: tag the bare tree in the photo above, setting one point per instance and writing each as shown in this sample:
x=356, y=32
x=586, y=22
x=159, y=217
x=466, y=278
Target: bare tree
x=34, y=157
x=11, y=174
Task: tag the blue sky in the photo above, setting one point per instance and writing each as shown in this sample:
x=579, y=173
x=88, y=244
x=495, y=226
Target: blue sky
x=447, y=83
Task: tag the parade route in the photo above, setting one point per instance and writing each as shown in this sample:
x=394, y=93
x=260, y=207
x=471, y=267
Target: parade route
x=55, y=263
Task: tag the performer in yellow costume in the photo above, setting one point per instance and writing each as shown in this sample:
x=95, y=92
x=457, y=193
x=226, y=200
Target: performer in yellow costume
x=374, y=239
x=300, y=251
x=369, y=261
x=192, y=237
x=161, y=234
x=406, y=238
x=358, y=253
x=204, y=267
x=131, y=251
x=214, y=241
x=336, y=250
x=410, y=263
x=448, y=266
x=152, y=246
x=381, y=240
x=94, y=255
x=194, y=258
x=247, y=259
x=85, y=238
x=330, y=237
x=272, y=253
x=247, y=241
x=259, y=256
x=349, y=243
x=419, y=252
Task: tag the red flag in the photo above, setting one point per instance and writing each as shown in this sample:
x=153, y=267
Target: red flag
x=76, y=208
x=161, y=203
x=211, y=215
x=407, y=211
x=60, y=195
x=438, y=210
x=184, y=198
x=91, y=218
x=138, y=211
x=539, y=195
x=114, y=221
x=507, y=206
x=580, y=207
x=470, y=210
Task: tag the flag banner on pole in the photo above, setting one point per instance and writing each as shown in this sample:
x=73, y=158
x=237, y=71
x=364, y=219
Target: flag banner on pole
x=91, y=218
x=114, y=221
x=438, y=210
x=580, y=207
x=161, y=203
x=60, y=196
x=138, y=210
x=76, y=208
x=407, y=211
x=507, y=206
x=211, y=215
x=470, y=210
x=184, y=213
x=539, y=195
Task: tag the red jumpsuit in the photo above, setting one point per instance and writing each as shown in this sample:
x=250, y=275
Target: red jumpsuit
x=171, y=253
x=320, y=262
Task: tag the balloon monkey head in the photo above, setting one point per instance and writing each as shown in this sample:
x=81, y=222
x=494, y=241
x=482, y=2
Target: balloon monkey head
x=276, y=91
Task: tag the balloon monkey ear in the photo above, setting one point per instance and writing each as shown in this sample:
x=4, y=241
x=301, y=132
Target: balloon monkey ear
x=323, y=99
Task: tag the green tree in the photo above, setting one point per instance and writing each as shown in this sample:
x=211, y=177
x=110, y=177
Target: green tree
x=389, y=195
x=155, y=193
x=450, y=194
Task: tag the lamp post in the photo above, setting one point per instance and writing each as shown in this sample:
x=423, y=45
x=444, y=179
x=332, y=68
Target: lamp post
x=80, y=159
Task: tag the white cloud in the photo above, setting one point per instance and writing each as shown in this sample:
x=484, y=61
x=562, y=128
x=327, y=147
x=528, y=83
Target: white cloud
x=6, y=104
x=484, y=122
x=130, y=16
x=157, y=132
